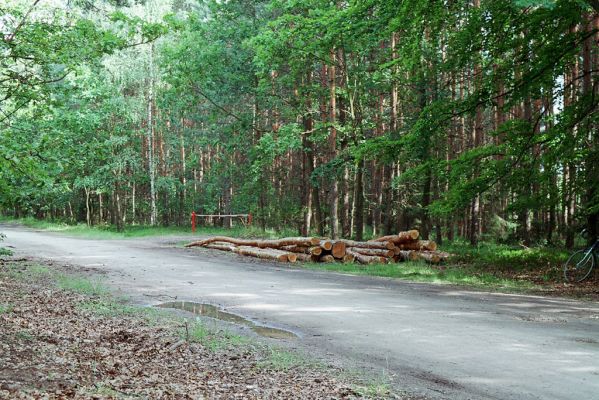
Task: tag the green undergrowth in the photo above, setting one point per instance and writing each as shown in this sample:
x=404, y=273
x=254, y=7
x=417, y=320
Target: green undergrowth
x=488, y=265
x=137, y=231
x=538, y=264
x=422, y=272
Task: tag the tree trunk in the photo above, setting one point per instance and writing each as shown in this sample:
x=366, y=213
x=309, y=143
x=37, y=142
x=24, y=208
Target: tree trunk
x=359, y=202
x=87, y=208
x=334, y=182
x=151, y=163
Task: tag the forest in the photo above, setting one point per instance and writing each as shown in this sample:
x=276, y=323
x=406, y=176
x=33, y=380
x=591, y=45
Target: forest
x=464, y=119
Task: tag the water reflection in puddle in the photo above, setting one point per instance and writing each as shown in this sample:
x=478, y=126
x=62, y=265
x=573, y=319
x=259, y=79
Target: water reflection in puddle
x=208, y=310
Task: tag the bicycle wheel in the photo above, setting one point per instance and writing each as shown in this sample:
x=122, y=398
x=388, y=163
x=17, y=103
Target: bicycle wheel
x=579, y=266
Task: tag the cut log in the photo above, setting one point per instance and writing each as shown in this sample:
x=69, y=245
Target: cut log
x=401, y=237
x=269, y=254
x=430, y=257
x=369, y=245
x=420, y=245
x=406, y=255
x=306, y=257
x=327, y=258
x=374, y=252
x=443, y=256
x=326, y=244
x=348, y=258
x=316, y=250
x=222, y=246
x=296, y=249
x=338, y=249
x=363, y=259
x=274, y=244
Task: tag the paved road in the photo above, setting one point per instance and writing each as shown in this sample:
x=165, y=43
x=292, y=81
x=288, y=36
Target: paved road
x=439, y=341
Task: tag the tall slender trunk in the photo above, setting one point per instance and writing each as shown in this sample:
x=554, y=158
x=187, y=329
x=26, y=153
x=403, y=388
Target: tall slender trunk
x=117, y=206
x=477, y=138
x=307, y=162
x=346, y=225
x=358, y=220
x=88, y=219
x=150, y=133
x=183, y=178
x=334, y=188
x=101, y=207
x=591, y=129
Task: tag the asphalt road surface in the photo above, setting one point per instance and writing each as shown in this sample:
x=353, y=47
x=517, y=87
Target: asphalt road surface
x=438, y=341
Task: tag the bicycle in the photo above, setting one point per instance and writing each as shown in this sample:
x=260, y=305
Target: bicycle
x=581, y=263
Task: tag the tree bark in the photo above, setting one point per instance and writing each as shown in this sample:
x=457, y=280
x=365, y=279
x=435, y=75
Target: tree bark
x=334, y=182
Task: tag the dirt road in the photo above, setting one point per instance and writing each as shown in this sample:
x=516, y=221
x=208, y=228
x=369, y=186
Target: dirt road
x=439, y=341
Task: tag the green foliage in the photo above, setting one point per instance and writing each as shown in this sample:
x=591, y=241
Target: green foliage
x=227, y=107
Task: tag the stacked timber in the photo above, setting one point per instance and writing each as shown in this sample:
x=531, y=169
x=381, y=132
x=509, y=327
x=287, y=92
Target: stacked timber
x=404, y=246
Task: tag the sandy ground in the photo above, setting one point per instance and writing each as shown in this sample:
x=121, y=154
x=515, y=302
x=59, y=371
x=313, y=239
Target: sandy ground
x=434, y=340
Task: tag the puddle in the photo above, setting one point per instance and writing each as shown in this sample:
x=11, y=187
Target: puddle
x=273, y=333
x=208, y=310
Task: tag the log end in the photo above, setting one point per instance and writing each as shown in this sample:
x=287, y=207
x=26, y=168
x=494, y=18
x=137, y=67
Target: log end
x=348, y=258
x=314, y=241
x=326, y=244
x=316, y=250
x=338, y=250
x=327, y=259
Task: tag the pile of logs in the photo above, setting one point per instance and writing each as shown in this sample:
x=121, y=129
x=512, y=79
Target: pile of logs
x=404, y=246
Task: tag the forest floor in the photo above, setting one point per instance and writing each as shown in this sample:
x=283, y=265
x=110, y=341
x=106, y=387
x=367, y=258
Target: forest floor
x=64, y=336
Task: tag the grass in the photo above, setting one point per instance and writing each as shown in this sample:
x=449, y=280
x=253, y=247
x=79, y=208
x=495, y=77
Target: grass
x=104, y=391
x=488, y=265
x=72, y=283
x=107, y=306
x=81, y=285
x=5, y=308
x=136, y=231
x=422, y=272
x=213, y=339
x=376, y=389
x=283, y=360
x=24, y=335
x=28, y=271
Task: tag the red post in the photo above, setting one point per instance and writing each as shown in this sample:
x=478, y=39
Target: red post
x=250, y=219
x=193, y=221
